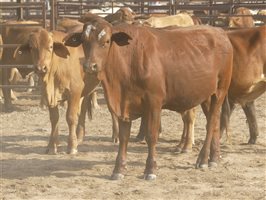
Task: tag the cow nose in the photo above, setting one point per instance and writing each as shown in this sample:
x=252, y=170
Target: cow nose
x=94, y=67
x=41, y=68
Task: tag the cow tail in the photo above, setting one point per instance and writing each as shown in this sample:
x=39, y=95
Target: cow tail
x=89, y=107
x=225, y=115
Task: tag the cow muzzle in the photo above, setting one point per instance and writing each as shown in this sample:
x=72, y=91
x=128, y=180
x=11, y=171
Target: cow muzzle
x=41, y=69
x=91, y=68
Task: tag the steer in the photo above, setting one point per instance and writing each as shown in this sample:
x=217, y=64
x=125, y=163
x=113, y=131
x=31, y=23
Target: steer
x=144, y=70
x=248, y=77
x=13, y=34
x=62, y=76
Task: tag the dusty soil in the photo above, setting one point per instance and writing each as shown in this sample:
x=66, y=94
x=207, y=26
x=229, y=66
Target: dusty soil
x=28, y=173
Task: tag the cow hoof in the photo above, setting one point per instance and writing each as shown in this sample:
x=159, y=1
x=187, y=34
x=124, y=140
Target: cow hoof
x=115, y=141
x=178, y=149
x=72, y=151
x=213, y=164
x=252, y=141
x=80, y=140
x=202, y=166
x=117, y=176
x=186, y=151
x=51, y=151
x=149, y=177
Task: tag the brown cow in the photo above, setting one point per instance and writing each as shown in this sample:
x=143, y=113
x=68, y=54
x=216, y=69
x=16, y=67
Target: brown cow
x=144, y=70
x=241, y=21
x=61, y=72
x=248, y=77
x=14, y=35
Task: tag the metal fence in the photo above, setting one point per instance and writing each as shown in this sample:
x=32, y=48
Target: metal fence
x=52, y=10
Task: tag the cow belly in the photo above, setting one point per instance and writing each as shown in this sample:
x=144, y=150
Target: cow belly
x=249, y=94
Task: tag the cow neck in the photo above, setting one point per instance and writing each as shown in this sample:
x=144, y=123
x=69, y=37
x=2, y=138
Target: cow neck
x=111, y=78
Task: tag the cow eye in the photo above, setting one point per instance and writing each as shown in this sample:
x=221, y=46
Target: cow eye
x=51, y=47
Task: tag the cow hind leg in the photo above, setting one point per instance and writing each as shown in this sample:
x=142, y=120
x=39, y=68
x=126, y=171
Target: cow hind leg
x=187, y=139
x=211, y=146
x=53, y=141
x=249, y=110
x=120, y=165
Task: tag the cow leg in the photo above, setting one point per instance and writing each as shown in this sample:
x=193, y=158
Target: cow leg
x=94, y=100
x=152, y=124
x=53, y=142
x=115, y=128
x=141, y=135
x=187, y=139
x=72, y=120
x=6, y=91
x=249, y=109
x=82, y=118
x=211, y=142
x=120, y=165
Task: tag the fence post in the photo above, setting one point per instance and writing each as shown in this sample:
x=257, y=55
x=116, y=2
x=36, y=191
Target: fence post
x=52, y=15
x=20, y=11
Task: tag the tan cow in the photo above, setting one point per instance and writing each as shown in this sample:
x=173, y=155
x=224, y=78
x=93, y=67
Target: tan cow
x=123, y=15
x=61, y=72
x=241, y=21
x=181, y=19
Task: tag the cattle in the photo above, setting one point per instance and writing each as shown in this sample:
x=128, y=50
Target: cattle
x=123, y=15
x=181, y=19
x=144, y=70
x=61, y=73
x=14, y=34
x=241, y=21
x=248, y=77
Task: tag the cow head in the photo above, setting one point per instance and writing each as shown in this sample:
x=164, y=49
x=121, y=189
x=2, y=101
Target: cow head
x=42, y=47
x=96, y=39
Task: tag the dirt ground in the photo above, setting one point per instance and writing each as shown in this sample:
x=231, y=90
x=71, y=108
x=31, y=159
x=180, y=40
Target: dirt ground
x=28, y=173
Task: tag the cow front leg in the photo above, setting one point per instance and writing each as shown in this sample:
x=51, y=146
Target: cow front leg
x=249, y=110
x=82, y=118
x=72, y=119
x=141, y=135
x=53, y=141
x=115, y=128
x=120, y=165
x=152, y=124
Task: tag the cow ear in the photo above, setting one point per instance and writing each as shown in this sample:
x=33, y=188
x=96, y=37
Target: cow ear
x=73, y=39
x=21, y=50
x=61, y=50
x=121, y=38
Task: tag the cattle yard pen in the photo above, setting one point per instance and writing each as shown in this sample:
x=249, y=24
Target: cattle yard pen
x=50, y=11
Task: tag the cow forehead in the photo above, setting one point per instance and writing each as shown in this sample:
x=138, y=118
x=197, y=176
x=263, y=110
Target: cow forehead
x=101, y=34
x=88, y=30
